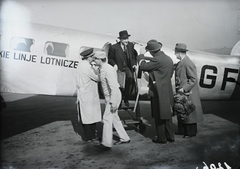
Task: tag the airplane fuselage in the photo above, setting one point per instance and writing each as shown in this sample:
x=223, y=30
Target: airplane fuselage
x=37, y=59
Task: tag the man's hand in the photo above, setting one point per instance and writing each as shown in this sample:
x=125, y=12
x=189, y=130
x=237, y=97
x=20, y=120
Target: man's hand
x=181, y=90
x=115, y=67
x=134, y=67
x=113, y=109
x=95, y=68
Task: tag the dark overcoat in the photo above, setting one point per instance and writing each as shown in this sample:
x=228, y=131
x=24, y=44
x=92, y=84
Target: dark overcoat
x=186, y=75
x=161, y=66
x=116, y=56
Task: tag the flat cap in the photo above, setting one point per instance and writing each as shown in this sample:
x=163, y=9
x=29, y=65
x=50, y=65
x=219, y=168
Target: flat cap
x=100, y=54
x=87, y=53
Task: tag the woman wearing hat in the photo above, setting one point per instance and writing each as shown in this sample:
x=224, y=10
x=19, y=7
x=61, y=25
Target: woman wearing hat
x=186, y=81
x=121, y=57
x=160, y=69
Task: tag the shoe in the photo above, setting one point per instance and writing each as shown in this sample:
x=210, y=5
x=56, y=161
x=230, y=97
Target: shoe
x=121, y=142
x=102, y=147
x=92, y=140
x=88, y=141
x=95, y=141
x=171, y=139
x=189, y=136
x=158, y=141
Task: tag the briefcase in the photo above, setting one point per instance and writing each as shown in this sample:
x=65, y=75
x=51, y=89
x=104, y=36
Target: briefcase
x=121, y=78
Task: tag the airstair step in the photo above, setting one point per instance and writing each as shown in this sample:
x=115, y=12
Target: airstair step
x=130, y=121
x=125, y=108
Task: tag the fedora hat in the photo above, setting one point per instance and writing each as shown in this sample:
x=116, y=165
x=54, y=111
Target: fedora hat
x=123, y=34
x=154, y=40
x=181, y=47
x=87, y=53
x=153, y=45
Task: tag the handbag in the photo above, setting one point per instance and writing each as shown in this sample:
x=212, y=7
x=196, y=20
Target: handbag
x=182, y=106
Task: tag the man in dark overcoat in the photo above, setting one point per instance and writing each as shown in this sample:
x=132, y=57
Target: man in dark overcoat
x=186, y=82
x=160, y=69
x=121, y=57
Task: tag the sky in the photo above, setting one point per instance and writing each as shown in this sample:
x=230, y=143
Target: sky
x=209, y=25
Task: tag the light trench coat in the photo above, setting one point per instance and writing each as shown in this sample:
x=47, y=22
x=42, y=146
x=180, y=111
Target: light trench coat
x=110, y=85
x=87, y=93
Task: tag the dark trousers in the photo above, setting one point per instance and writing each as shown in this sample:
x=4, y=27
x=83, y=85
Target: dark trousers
x=164, y=127
x=128, y=84
x=89, y=131
x=187, y=129
x=164, y=130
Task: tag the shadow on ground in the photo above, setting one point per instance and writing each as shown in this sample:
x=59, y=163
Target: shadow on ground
x=32, y=112
x=28, y=124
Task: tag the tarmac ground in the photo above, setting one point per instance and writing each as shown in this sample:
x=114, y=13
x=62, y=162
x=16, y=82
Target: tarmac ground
x=42, y=132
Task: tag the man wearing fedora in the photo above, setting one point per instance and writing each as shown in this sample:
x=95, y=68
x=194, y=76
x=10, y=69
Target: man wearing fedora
x=160, y=69
x=186, y=81
x=121, y=57
x=88, y=101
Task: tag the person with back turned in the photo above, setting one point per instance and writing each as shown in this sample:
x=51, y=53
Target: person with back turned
x=160, y=69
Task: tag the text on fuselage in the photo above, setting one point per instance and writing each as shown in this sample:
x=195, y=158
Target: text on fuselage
x=27, y=57
x=213, y=76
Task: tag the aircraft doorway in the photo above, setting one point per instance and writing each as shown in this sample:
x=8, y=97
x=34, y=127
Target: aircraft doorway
x=105, y=48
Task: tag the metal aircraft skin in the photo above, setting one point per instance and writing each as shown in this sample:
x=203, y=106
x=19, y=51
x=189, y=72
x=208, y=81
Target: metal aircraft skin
x=40, y=59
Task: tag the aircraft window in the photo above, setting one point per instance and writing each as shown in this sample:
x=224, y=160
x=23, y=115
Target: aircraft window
x=22, y=44
x=56, y=49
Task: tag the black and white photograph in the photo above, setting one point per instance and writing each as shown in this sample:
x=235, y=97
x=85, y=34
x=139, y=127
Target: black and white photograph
x=131, y=84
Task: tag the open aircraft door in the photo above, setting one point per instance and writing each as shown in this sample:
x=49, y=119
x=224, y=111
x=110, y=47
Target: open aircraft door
x=106, y=47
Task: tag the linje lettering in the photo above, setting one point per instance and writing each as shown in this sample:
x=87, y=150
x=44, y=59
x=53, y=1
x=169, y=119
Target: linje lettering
x=25, y=57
